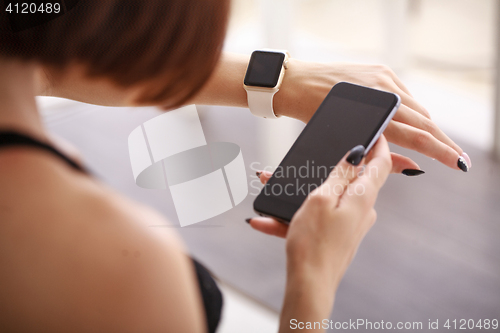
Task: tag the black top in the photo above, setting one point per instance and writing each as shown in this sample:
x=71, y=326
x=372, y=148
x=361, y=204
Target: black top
x=212, y=297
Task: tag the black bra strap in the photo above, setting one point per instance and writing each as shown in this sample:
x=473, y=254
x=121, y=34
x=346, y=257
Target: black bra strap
x=11, y=138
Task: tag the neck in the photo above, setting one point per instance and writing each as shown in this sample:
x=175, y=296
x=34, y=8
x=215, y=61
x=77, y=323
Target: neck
x=18, y=110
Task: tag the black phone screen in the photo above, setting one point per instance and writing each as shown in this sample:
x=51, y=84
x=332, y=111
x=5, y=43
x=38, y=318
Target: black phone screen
x=264, y=69
x=349, y=116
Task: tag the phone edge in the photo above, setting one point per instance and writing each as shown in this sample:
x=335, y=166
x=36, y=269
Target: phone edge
x=385, y=124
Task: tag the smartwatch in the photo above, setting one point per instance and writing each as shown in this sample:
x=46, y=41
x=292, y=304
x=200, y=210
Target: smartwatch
x=263, y=79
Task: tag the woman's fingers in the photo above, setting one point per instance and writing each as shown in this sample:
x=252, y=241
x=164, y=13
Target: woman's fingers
x=264, y=176
x=410, y=117
x=341, y=176
x=382, y=161
x=362, y=193
x=396, y=85
x=269, y=226
x=400, y=164
x=400, y=84
x=408, y=100
x=404, y=165
x=423, y=142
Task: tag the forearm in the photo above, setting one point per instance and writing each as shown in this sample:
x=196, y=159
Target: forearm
x=225, y=87
x=309, y=298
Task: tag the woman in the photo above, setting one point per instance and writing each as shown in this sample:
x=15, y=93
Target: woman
x=78, y=257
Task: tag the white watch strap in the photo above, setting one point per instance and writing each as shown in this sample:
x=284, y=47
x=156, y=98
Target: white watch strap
x=261, y=103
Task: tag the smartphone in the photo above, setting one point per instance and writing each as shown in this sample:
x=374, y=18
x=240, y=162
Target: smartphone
x=350, y=115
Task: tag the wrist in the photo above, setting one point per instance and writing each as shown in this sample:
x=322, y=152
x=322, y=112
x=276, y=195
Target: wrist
x=309, y=296
x=283, y=103
x=320, y=272
x=321, y=262
x=304, y=87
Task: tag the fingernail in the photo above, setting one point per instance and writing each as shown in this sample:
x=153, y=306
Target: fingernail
x=258, y=173
x=248, y=221
x=467, y=159
x=412, y=172
x=462, y=164
x=356, y=155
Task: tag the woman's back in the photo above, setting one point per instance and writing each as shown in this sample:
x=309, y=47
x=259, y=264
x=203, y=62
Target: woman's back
x=76, y=256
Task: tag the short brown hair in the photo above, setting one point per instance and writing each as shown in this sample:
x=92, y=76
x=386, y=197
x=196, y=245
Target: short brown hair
x=173, y=45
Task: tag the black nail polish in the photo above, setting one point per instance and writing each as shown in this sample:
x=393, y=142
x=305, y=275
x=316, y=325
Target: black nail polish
x=462, y=164
x=248, y=221
x=412, y=172
x=356, y=155
x=258, y=173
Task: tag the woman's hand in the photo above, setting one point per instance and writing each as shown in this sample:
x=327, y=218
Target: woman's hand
x=306, y=84
x=325, y=233
x=274, y=228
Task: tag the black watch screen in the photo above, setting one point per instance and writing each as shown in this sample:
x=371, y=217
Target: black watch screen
x=264, y=69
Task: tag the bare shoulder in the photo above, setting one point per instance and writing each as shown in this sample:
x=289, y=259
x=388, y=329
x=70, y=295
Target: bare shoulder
x=77, y=256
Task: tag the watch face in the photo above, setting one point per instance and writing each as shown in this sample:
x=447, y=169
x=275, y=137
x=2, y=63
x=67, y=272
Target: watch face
x=264, y=69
